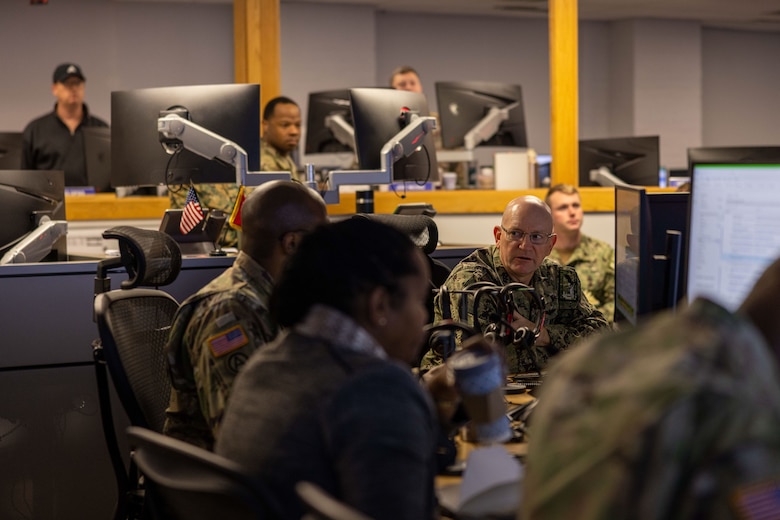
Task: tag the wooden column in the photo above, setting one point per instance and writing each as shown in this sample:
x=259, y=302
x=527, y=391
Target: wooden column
x=256, y=37
x=563, y=91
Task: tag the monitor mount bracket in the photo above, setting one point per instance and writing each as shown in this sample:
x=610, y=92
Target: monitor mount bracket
x=341, y=130
x=603, y=177
x=403, y=144
x=177, y=132
x=488, y=126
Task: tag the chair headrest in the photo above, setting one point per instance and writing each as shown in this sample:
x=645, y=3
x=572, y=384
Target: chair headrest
x=151, y=258
x=421, y=228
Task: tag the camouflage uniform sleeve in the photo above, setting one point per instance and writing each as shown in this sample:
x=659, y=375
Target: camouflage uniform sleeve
x=570, y=316
x=606, y=292
x=466, y=273
x=230, y=330
x=678, y=419
x=183, y=419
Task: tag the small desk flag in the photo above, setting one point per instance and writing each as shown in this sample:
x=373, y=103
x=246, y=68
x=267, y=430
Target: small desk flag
x=192, y=214
x=235, y=216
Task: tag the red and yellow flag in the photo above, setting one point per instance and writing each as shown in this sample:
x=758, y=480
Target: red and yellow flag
x=235, y=216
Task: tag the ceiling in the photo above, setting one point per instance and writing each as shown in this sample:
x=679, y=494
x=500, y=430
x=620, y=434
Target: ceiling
x=758, y=15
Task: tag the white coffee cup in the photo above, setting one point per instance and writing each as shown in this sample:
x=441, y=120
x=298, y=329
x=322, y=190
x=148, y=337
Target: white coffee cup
x=449, y=180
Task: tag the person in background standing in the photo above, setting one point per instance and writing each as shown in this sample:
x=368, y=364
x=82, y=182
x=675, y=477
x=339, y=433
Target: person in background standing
x=55, y=141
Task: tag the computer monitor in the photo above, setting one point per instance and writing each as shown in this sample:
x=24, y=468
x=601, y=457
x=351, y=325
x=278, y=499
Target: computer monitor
x=379, y=114
x=25, y=197
x=633, y=160
x=733, y=216
x=97, y=157
x=464, y=104
x=10, y=150
x=328, y=120
x=650, y=232
x=231, y=111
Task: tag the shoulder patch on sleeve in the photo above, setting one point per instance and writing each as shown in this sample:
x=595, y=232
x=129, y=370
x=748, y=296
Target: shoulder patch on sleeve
x=228, y=341
x=568, y=284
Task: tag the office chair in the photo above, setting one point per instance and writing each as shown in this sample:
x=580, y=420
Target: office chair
x=133, y=324
x=322, y=506
x=186, y=482
x=424, y=233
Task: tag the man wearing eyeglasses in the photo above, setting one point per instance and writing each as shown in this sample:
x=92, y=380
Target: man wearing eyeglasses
x=218, y=328
x=523, y=240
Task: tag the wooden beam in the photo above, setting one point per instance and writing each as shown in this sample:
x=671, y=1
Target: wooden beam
x=563, y=91
x=257, y=44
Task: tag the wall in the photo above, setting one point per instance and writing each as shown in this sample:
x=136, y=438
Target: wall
x=119, y=46
x=124, y=45
x=740, y=105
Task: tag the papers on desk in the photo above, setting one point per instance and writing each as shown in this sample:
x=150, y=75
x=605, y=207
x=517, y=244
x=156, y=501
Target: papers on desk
x=490, y=486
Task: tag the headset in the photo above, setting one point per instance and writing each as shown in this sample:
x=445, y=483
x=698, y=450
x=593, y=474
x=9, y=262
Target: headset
x=442, y=335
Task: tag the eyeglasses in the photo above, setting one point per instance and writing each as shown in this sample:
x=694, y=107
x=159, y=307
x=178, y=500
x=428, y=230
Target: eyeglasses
x=536, y=238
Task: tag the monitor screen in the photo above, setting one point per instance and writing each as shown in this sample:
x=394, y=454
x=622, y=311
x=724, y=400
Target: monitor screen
x=231, y=111
x=732, y=220
x=633, y=160
x=378, y=116
x=10, y=150
x=319, y=137
x=463, y=104
x=650, y=229
x=97, y=157
x=24, y=196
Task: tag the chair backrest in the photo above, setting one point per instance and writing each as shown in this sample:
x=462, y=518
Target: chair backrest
x=322, y=506
x=134, y=321
x=421, y=229
x=186, y=482
x=133, y=327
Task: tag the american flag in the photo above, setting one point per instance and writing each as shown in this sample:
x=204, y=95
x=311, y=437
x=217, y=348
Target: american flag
x=192, y=214
x=228, y=341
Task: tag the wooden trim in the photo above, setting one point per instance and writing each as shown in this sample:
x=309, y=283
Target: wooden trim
x=257, y=45
x=106, y=206
x=564, y=91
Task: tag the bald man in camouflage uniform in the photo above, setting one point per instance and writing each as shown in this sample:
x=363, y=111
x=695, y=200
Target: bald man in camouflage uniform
x=593, y=259
x=679, y=419
x=218, y=328
x=523, y=241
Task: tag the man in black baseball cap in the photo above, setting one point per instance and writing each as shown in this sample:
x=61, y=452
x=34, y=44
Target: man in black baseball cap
x=67, y=70
x=55, y=141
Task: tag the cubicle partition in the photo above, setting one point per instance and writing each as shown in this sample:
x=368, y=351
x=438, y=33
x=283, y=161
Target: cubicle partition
x=52, y=450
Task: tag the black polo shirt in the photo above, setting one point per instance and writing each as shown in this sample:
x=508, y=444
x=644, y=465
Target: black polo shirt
x=49, y=145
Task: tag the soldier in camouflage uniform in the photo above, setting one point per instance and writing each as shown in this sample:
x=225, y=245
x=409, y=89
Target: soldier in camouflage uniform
x=281, y=133
x=593, y=259
x=218, y=328
x=678, y=419
x=523, y=241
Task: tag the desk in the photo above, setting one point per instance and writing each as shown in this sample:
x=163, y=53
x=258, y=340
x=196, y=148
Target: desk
x=52, y=450
x=464, y=448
